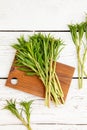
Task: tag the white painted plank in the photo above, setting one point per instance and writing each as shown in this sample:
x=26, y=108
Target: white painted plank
x=68, y=55
x=74, y=111
x=42, y=15
x=45, y=127
x=47, y=14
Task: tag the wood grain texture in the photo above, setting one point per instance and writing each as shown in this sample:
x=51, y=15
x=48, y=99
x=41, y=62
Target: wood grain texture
x=33, y=85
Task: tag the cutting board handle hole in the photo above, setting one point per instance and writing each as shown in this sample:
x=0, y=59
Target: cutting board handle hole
x=14, y=81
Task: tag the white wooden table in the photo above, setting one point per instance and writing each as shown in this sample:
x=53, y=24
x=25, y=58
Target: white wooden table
x=50, y=16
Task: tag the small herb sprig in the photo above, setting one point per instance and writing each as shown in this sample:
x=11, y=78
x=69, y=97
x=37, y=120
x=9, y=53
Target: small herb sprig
x=37, y=56
x=79, y=37
x=24, y=109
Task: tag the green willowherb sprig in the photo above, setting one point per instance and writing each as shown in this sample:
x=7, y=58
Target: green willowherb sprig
x=79, y=37
x=25, y=109
x=37, y=56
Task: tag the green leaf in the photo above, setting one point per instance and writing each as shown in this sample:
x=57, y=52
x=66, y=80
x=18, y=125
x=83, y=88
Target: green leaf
x=11, y=106
x=26, y=107
x=31, y=73
x=73, y=29
x=85, y=30
x=80, y=28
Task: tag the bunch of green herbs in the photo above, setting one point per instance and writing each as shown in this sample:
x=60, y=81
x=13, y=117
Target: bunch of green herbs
x=25, y=109
x=79, y=37
x=37, y=56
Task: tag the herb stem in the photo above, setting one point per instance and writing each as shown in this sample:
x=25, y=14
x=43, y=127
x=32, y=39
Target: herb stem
x=79, y=67
x=50, y=73
x=29, y=127
x=59, y=86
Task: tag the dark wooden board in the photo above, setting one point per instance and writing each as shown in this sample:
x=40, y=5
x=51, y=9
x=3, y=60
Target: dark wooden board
x=33, y=85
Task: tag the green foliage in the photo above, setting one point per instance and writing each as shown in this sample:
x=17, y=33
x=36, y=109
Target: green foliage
x=79, y=37
x=35, y=56
x=73, y=30
x=24, y=107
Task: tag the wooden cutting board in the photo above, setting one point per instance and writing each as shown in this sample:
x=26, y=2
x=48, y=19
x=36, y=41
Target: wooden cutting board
x=33, y=85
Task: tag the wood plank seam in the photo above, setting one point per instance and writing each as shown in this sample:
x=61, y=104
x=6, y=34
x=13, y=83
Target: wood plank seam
x=46, y=124
x=34, y=30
